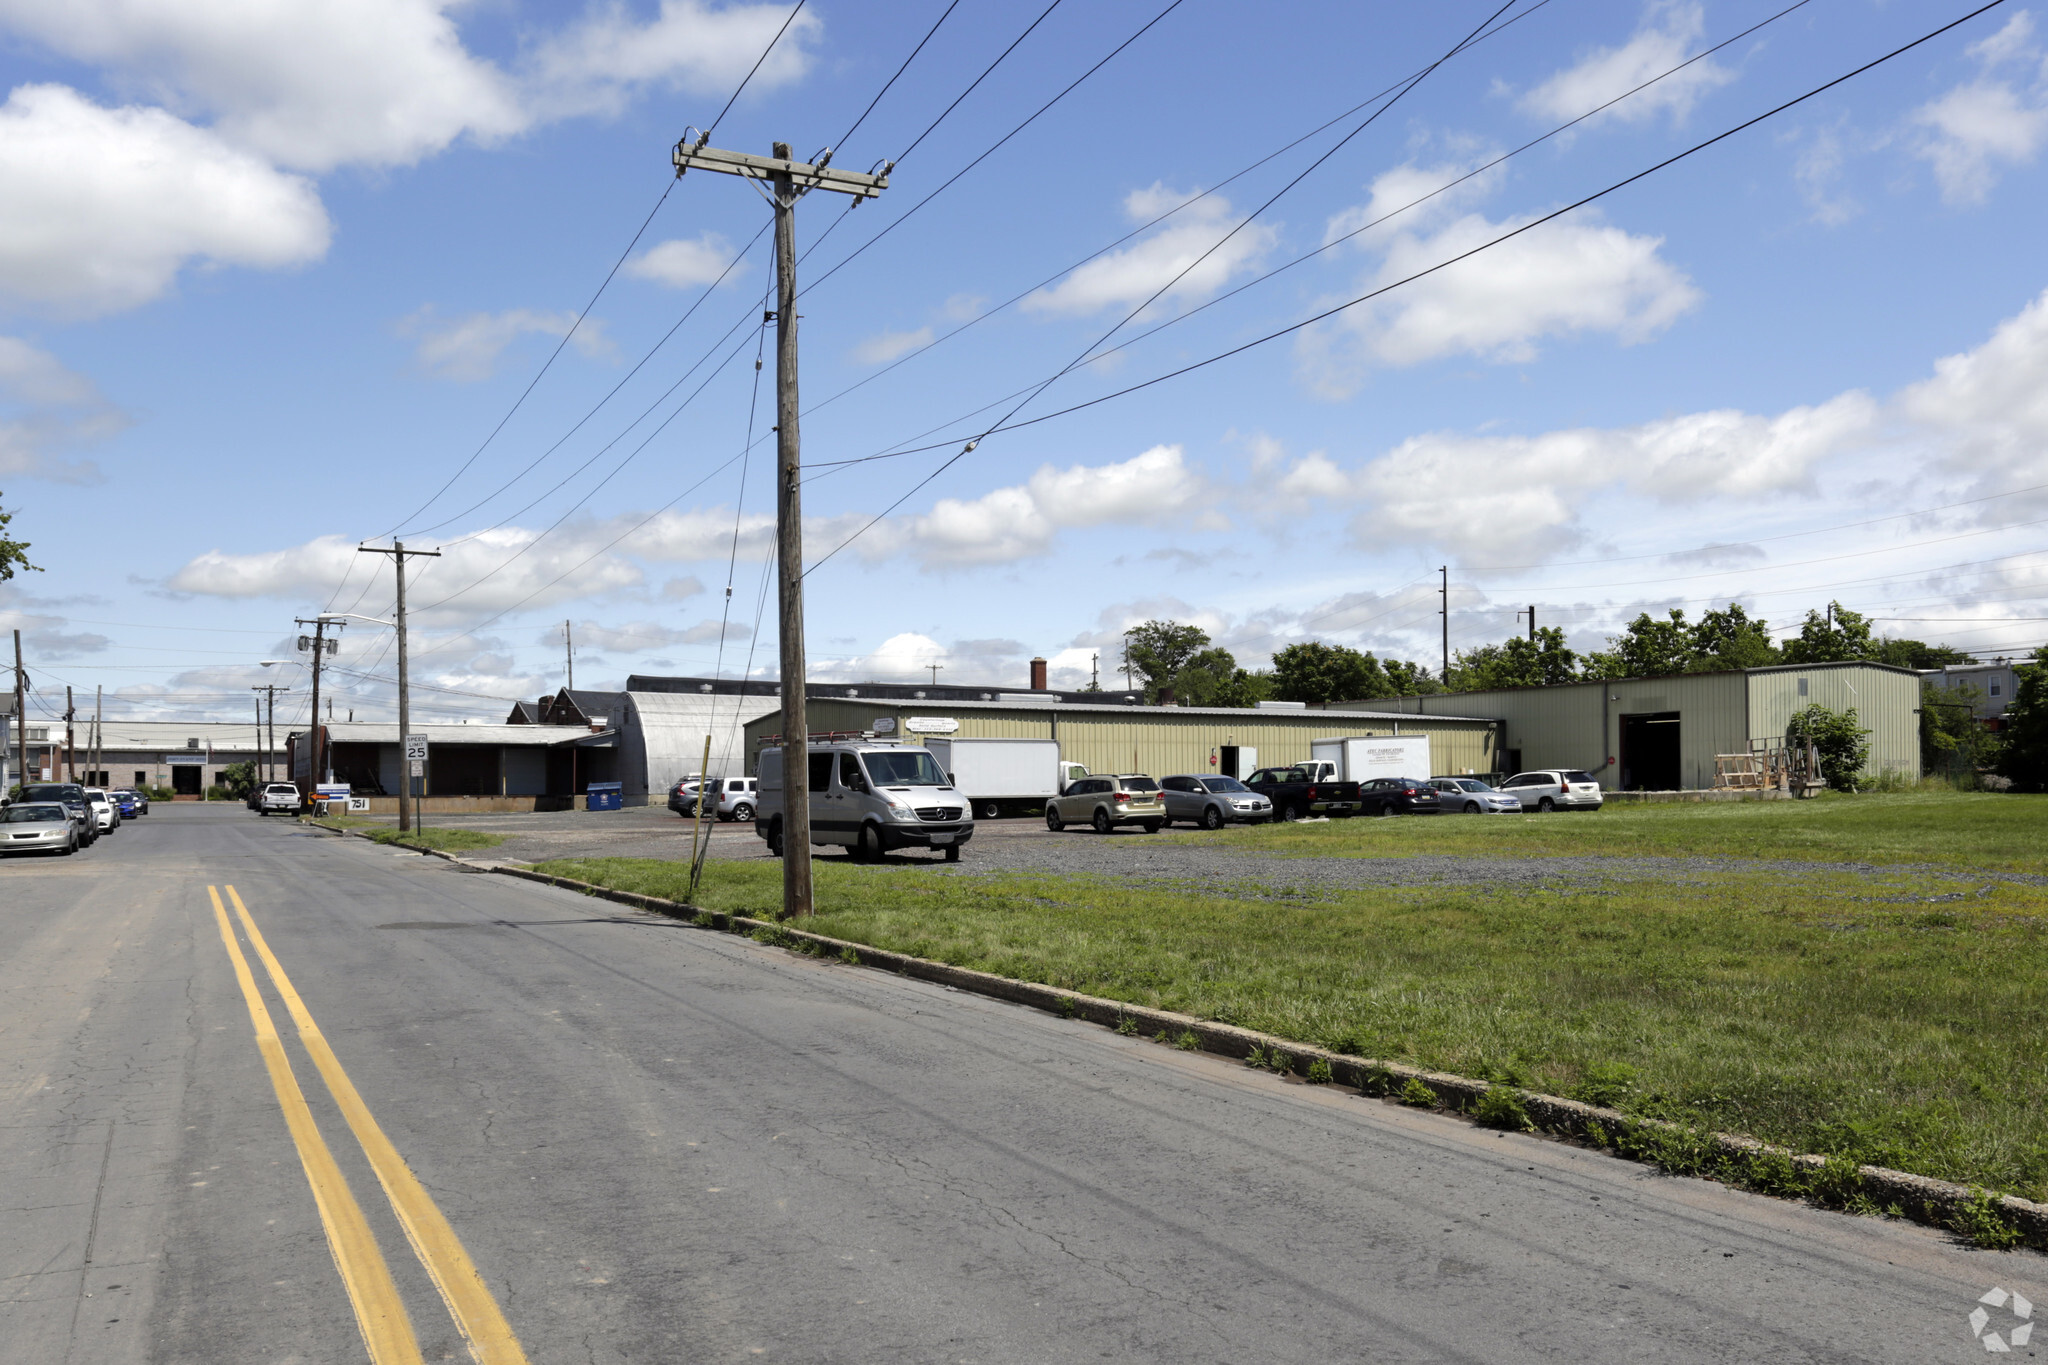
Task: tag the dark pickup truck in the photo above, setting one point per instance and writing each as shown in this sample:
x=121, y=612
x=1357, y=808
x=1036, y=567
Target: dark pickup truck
x=1295, y=795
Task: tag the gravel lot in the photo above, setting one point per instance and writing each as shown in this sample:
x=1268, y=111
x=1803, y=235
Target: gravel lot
x=1188, y=859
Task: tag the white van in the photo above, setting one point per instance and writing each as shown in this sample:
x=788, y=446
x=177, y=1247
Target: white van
x=870, y=797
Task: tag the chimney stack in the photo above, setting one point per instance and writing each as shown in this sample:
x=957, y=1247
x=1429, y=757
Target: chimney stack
x=1038, y=675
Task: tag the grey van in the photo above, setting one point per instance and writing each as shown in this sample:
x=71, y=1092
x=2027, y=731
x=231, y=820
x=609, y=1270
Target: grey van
x=870, y=797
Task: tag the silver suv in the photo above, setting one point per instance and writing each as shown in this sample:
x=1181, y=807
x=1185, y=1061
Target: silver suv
x=1106, y=802
x=1212, y=802
x=282, y=796
x=733, y=798
x=869, y=796
x=1549, y=789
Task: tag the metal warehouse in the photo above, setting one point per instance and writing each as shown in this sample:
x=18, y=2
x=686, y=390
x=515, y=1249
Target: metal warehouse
x=1662, y=734
x=1160, y=740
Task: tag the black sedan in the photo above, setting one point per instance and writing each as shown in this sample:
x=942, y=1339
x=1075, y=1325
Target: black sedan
x=1399, y=796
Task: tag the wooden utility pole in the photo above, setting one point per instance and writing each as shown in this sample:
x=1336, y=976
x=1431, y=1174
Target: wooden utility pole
x=398, y=554
x=70, y=740
x=99, y=739
x=319, y=645
x=1531, y=614
x=270, y=748
x=21, y=706
x=790, y=181
x=568, y=658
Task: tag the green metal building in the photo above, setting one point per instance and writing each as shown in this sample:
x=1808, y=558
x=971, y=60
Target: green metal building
x=1160, y=740
x=1661, y=734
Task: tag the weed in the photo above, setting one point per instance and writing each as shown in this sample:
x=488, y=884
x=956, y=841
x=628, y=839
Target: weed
x=1126, y=1025
x=850, y=955
x=1984, y=1223
x=1255, y=1059
x=1319, y=1072
x=1503, y=1107
x=1597, y=1134
x=1159, y=1037
x=1188, y=1041
x=1376, y=1080
x=1418, y=1095
x=774, y=935
x=1067, y=1007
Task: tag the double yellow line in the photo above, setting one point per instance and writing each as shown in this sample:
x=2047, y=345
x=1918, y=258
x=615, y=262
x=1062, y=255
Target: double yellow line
x=380, y=1312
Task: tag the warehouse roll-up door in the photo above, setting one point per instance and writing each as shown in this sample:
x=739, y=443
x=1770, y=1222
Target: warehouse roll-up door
x=1649, y=752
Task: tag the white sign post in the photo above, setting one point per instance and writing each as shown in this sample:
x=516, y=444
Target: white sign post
x=415, y=768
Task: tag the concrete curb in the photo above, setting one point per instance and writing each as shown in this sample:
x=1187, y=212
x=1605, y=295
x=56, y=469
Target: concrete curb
x=1937, y=1203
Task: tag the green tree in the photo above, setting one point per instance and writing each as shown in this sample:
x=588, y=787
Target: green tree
x=1517, y=662
x=1952, y=740
x=239, y=779
x=1316, y=673
x=1915, y=654
x=2023, y=752
x=1159, y=650
x=1410, y=679
x=1840, y=636
x=1730, y=639
x=1838, y=738
x=1649, y=648
x=13, y=552
x=1212, y=678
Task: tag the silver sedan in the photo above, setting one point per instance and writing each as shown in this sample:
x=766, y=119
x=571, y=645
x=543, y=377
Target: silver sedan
x=38, y=828
x=1473, y=797
x=1212, y=802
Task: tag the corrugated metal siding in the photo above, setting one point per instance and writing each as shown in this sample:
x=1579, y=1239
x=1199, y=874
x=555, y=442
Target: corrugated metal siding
x=1886, y=701
x=662, y=740
x=1156, y=740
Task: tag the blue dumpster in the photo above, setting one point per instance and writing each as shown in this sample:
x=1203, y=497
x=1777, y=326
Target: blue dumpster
x=605, y=796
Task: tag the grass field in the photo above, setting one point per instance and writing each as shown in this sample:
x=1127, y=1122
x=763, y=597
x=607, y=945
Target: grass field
x=446, y=840
x=1899, y=1018
x=1992, y=831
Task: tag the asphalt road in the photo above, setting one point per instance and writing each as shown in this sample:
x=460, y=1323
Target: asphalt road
x=659, y=1144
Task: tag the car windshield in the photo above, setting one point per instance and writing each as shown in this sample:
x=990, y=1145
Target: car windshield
x=1140, y=784
x=34, y=815
x=1224, y=784
x=904, y=768
x=1473, y=784
x=1576, y=776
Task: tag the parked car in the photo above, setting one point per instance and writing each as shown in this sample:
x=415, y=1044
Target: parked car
x=731, y=798
x=103, y=809
x=131, y=802
x=277, y=796
x=1400, y=796
x=71, y=796
x=1549, y=789
x=38, y=827
x=869, y=796
x=1296, y=794
x=1212, y=802
x=1106, y=802
x=682, y=794
x=1473, y=797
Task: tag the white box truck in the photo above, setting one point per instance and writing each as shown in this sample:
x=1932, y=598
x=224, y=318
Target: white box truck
x=1363, y=758
x=1002, y=776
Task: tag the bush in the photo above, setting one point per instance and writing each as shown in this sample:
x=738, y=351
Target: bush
x=1838, y=739
x=1502, y=1107
x=216, y=793
x=2023, y=758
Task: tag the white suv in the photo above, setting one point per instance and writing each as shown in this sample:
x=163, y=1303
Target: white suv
x=278, y=796
x=1549, y=789
x=733, y=798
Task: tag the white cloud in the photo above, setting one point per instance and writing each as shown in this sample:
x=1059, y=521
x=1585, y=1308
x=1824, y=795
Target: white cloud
x=105, y=206
x=682, y=589
x=883, y=347
x=1019, y=522
x=1975, y=130
x=466, y=348
x=311, y=85
x=684, y=263
x=597, y=65
x=1132, y=275
x=47, y=410
x=1987, y=409
x=1394, y=190
x=1660, y=43
x=1563, y=279
x=637, y=637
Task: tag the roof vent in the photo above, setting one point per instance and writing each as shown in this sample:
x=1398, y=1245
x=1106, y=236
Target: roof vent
x=1283, y=706
x=988, y=696
x=919, y=696
x=704, y=687
x=851, y=693
x=1130, y=700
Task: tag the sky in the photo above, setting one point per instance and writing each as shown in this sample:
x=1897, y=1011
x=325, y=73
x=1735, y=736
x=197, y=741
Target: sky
x=278, y=280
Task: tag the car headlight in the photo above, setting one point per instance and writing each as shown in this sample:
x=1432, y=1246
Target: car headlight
x=900, y=811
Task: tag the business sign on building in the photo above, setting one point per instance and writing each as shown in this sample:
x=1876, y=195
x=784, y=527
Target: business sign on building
x=186, y=756
x=931, y=725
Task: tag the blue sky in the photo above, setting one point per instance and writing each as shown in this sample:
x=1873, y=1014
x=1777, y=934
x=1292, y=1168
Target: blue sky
x=272, y=274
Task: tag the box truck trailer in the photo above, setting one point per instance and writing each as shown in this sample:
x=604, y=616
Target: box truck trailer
x=1004, y=776
x=1363, y=758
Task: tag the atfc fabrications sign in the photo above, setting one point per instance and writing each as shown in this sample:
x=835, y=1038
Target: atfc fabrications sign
x=931, y=725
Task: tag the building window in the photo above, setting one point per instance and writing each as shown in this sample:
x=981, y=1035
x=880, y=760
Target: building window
x=1994, y=687
x=1802, y=687
x=39, y=734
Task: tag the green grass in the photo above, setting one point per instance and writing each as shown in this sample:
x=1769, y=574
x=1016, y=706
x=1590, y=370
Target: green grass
x=1842, y=1013
x=445, y=840
x=1972, y=829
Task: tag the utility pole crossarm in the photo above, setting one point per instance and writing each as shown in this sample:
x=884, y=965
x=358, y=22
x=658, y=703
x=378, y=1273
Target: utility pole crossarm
x=802, y=175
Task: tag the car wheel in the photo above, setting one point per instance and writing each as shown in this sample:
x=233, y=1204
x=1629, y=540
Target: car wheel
x=1101, y=821
x=1152, y=826
x=1385, y=810
x=1053, y=821
x=870, y=849
x=987, y=810
x=775, y=839
x=1290, y=813
x=742, y=812
x=1471, y=808
x=1212, y=818
x=1546, y=805
x=952, y=853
